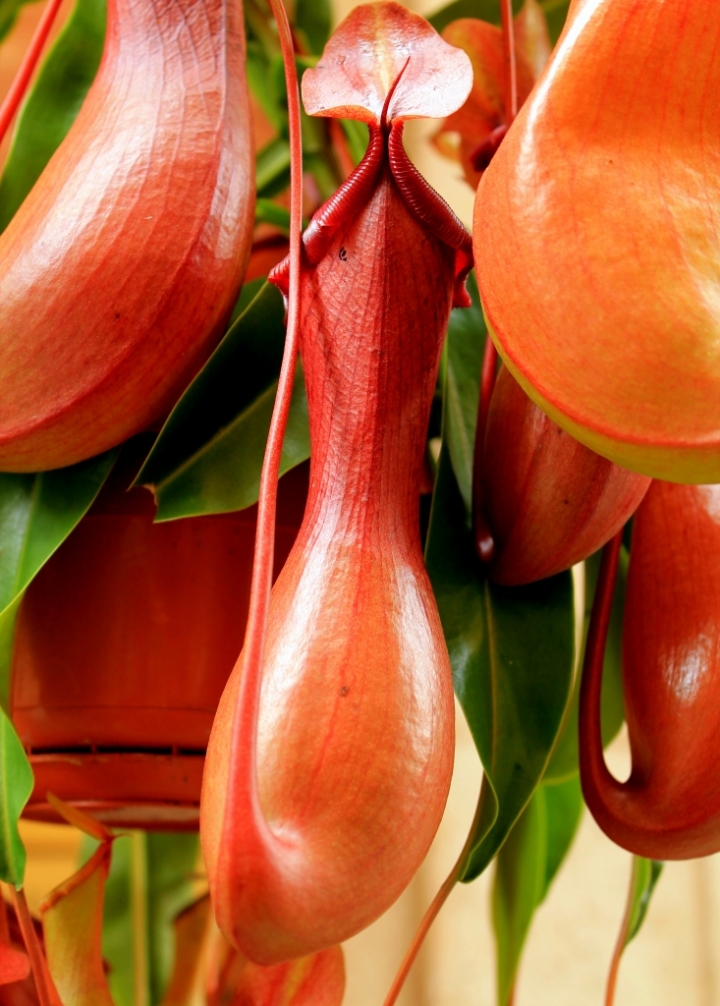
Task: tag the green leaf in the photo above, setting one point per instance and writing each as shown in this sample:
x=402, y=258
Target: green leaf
x=356, y=134
x=245, y=364
x=208, y=456
x=225, y=475
x=526, y=685
x=645, y=875
x=258, y=74
x=517, y=890
x=526, y=866
x=313, y=18
x=268, y=212
x=53, y=103
x=564, y=806
x=169, y=861
x=564, y=761
x=272, y=168
x=484, y=10
x=467, y=334
x=489, y=10
x=16, y=787
x=555, y=14
x=511, y=649
x=512, y=654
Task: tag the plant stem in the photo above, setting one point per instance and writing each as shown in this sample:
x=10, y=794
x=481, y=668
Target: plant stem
x=139, y=912
x=508, y=33
x=22, y=78
x=432, y=912
x=44, y=986
x=621, y=940
x=244, y=738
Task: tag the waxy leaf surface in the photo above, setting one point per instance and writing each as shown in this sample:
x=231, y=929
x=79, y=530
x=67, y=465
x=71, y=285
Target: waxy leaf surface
x=511, y=649
x=16, y=784
x=462, y=363
x=208, y=456
x=512, y=653
x=526, y=866
x=646, y=873
x=374, y=46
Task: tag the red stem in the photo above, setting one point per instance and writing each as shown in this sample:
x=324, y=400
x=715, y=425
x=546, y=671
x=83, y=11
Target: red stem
x=22, y=78
x=46, y=992
x=244, y=740
x=508, y=33
x=432, y=912
x=597, y=782
x=621, y=941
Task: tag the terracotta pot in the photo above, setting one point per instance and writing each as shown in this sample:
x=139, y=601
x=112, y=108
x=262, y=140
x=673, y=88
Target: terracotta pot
x=124, y=643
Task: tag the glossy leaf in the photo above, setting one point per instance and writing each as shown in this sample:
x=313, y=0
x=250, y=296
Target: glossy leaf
x=208, y=456
x=465, y=345
x=526, y=866
x=16, y=784
x=53, y=103
x=564, y=760
x=511, y=649
x=512, y=652
x=225, y=474
x=517, y=890
x=646, y=873
x=72, y=925
x=376, y=47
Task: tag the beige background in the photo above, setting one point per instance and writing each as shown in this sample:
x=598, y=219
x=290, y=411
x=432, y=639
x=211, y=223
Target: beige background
x=675, y=960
